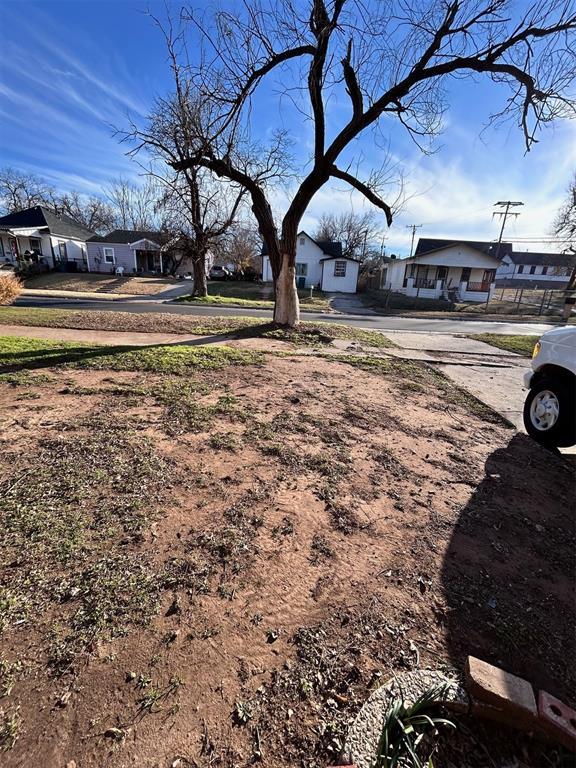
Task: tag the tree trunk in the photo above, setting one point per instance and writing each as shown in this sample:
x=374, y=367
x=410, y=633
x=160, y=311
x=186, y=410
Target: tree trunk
x=287, y=306
x=200, y=284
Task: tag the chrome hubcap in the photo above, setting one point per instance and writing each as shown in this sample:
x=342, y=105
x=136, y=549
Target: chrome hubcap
x=544, y=410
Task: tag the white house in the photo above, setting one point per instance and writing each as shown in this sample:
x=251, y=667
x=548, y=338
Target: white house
x=319, y=264
x=41, y=234
x=463, y=270
x=525, y=269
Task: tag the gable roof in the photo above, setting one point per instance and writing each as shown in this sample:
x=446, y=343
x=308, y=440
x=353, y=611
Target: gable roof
x=429, y=245
x=329, y=247
x=343, y=258
x=125, y=236
x=544, y=259
x=40, y=216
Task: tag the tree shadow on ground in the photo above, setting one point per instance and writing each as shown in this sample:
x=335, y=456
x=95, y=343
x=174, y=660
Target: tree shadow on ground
x=508, y=575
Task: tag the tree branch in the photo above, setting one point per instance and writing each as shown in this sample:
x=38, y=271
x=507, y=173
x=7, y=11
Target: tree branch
x=368, y=193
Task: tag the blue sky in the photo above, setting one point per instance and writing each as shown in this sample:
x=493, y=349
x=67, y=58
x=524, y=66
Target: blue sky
x=71, y=71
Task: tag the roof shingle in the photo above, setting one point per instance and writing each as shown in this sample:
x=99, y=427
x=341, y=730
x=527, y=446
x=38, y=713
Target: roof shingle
x=41, y=216
x=125, y=236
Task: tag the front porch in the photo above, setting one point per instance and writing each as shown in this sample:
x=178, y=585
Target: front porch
x=147, y=258
x=455, y=283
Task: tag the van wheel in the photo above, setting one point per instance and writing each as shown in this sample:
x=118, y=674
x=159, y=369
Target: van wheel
x=550, y=413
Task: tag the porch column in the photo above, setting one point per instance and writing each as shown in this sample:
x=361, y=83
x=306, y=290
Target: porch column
x=161, y=269
x=135, y=262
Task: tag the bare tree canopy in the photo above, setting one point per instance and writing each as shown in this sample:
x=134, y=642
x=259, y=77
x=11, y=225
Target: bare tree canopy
x=391, y=61
x=240, y=247
x=93, y=212
x=356, y=231
x=565, y=222
x=136, y=206
x=19, y=191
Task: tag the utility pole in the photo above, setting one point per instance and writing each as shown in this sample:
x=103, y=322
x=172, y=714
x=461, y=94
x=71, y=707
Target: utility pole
x=506, y=205
x=413, y=227
x=383, y=245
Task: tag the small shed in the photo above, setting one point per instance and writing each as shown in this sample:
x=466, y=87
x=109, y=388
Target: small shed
x=339, y=274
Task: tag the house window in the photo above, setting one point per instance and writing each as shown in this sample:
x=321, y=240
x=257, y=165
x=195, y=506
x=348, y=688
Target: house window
x=108, y=255
x=63, y=253
x=544, y=270
x=466, y=274
x=302, y=241
x=521, y=269
x=301, y=270
x=339, y=269
x=36, y=245
x=532, y=270
x=442, y=273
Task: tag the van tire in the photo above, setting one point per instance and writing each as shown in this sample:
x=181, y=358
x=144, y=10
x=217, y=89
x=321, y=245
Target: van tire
x=560, y=394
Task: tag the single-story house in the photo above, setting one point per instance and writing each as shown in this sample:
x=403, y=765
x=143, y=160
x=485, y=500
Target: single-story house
x=527, y=269
x=128, y=250
x=464, y=270
x=40, y=234
x=319, y=264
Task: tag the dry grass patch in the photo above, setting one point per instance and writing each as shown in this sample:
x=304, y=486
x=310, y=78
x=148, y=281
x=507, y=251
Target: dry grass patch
x=167, y=597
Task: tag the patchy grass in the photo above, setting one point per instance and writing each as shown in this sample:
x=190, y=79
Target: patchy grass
x=521, y=345
x=415, y=377
x=18, y=353
x=10, y=723
x=225, y=301
x=67, y=519
x=282, y=579
x=247, y=294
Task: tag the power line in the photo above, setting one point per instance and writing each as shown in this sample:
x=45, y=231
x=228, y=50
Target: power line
x=506, y=204
x=413, y=227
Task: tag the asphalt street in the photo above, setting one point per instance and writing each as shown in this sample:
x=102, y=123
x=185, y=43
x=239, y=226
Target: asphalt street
x=372, y=322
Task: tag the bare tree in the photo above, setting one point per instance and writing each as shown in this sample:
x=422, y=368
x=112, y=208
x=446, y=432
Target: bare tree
x=394, y=61
x=565, y=223
x=240, y=247
x=136, y=206
x=93, y=212
x=198, y=214
x=19, y=191
x=356, y=231
x=204, y=203
x=565, y=226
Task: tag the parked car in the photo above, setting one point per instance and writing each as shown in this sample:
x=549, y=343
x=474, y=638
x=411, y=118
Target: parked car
x=550, y=407
x=219, y=273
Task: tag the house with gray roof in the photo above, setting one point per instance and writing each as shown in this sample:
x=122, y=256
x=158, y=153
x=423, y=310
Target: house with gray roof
x=319, y=264
x=40, y=234
x=129, y=251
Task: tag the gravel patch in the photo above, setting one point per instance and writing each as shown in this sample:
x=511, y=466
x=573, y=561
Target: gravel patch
x=362, y=740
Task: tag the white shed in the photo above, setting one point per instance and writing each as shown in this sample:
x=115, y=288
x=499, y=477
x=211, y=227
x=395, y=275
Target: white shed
x=339, y=274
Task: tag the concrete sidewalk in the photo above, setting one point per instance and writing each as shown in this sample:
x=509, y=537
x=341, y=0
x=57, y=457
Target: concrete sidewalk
x=113, y=338
x=168, y=294
x=493, y=375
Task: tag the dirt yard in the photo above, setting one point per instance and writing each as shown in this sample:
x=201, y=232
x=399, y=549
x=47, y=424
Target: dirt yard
x=217, y=567
x=93, y=283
